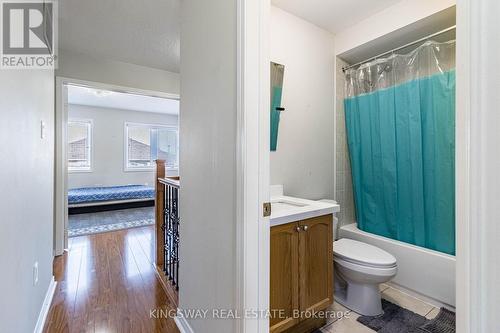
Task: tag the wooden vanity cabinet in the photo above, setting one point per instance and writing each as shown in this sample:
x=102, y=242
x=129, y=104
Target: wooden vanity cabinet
x=301, y=273
x=284, y=284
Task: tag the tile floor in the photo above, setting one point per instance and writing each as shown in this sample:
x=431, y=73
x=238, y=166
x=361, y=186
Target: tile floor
x=345, y=321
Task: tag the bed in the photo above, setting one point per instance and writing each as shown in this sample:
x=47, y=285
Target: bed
x=109, y=195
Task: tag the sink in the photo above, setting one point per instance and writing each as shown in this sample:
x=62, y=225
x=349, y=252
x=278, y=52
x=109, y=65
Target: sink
x=285, y=209
x=284, y=205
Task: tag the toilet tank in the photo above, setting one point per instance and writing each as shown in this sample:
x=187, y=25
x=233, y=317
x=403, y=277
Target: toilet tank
x=335, y=219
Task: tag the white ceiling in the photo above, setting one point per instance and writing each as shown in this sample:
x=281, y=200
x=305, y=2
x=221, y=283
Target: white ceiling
x=140, y=32
x=117, y=100
x=333, y=15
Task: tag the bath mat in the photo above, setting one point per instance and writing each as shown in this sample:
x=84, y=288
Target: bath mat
x=443, y=323
x=394, y=320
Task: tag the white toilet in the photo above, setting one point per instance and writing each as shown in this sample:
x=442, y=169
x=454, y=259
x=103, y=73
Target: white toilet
x=359, y=269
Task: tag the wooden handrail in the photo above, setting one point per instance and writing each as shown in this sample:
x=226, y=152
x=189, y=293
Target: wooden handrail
x=173, y=181
x=160, y=212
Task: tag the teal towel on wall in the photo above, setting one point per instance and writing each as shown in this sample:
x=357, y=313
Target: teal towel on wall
x=402, y=148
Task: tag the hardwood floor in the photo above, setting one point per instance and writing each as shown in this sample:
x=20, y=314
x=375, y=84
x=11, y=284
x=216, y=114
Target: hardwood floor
x=107, y=283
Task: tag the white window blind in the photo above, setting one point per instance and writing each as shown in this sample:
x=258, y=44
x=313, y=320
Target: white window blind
x=80, y=145
x=146, y=143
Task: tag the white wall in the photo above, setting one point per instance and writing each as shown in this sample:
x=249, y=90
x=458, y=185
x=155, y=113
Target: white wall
x=389, y=20
x=303, y=161
x=208, y=160
x=26, y=198
x=85, y=67
x=109, y=148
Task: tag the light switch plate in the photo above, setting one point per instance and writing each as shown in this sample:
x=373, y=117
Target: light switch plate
x=35, y=273
x=42, y=129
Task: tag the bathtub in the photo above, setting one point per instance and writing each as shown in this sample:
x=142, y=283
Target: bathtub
x=421, y=271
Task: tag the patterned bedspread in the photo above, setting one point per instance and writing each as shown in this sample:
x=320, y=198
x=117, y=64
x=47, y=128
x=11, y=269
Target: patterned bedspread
x=110, y=193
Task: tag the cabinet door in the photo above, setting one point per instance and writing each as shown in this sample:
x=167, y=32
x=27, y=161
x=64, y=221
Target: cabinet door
x=284, y=284
x=316, y=263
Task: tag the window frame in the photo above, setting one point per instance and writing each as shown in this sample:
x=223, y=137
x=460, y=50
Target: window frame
x=126, y=166
x=90, y=134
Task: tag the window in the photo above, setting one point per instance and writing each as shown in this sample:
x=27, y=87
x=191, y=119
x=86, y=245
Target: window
x=147, y=143
x=80, y=145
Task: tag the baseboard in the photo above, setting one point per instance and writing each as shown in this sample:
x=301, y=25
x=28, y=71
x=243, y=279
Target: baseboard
x=45, y=306
x=183, y=325
x=434, y=302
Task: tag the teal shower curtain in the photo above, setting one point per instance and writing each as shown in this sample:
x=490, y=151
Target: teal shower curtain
x=401, y=141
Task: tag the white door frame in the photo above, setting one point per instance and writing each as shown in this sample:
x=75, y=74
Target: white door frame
x=462, y=170
x=61, y=167
x=477, y=160
x=253, y=124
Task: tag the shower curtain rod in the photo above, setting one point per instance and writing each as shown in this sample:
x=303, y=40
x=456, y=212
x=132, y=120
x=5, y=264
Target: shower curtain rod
x=401, y=47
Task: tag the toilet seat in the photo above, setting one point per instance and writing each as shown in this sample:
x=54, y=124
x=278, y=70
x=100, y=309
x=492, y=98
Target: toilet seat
x=366, y=269
x=362, y=254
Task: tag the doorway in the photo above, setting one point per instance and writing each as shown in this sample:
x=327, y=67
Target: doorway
x=107, y=140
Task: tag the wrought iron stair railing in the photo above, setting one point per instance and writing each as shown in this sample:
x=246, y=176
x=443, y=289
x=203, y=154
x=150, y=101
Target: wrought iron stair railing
x=170, y=227
x=167, y=225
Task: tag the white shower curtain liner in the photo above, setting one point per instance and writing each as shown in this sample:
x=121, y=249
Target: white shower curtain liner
x=428, y=59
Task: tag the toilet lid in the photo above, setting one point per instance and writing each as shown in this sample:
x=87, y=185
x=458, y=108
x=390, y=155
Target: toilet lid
x=358, y=252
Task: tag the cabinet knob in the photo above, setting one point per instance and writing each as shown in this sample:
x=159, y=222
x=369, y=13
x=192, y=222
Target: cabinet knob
x=297, y=228
x=305, y=228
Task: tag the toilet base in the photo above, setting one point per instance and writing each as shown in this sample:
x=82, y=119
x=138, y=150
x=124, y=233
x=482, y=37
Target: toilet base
x=364, y=299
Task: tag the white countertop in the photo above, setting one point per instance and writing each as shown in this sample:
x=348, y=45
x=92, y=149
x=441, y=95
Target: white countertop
x=285, y=209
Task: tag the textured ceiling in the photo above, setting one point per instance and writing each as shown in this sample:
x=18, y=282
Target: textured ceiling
x=140, y=32
x=147, y=33
x=333, y=15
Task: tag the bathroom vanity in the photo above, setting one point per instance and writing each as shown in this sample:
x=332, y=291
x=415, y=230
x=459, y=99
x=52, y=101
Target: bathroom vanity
x=301, y=263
